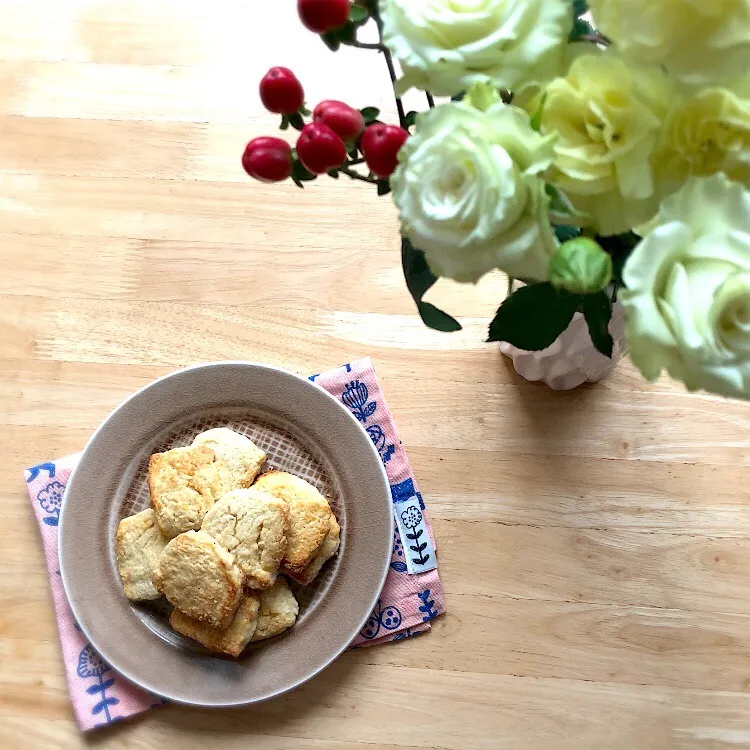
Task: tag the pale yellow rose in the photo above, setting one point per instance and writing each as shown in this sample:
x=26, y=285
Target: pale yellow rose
x=706, y=133
x=469, y=191
x=688, y=289
x=699, y=41
x=608, y=117
x=445, y=46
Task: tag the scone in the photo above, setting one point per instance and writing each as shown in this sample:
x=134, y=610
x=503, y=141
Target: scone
x=138, y=545
x=309, y=517
x=233, y=639
x=327, y=550
x=200, y=578
x=252, y=525
x=241, y=457
x=184, y=483
x=278, y=611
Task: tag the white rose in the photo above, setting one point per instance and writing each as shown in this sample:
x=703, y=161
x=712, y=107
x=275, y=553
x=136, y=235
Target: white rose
x=698, y=41
x=446, y=46
x=470, y=195
x=688, y=289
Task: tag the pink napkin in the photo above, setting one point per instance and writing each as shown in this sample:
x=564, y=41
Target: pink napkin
x=411, y=598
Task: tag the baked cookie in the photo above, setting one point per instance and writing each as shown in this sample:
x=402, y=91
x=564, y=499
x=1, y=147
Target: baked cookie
x=309, y=516
x=184, y=483
x=278, y=611
x=327, y=550
x=241, y=457
x=200, y=578
x=252, y=525
x=138, y=545
x=233, y=639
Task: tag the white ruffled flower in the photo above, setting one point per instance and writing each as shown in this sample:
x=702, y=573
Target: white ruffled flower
x=688, y=289
x=446, y=46
x=470, y=194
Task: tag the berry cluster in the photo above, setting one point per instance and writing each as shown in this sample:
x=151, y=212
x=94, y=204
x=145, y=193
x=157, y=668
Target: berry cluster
x=337, y=134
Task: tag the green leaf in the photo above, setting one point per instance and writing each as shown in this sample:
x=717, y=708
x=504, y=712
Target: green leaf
x=536, y=118
x=300, y=174
x=619, y=246
x=331, y=40
x=358, y=14
x=384, y=187
x=580, y=7
x=581, y=28
x=410, y=119
x=370, y=114
x=597, y=309
x=534, y=316
x=563, y=232
x=296, y=121
x=419, y=279
x=284, y=122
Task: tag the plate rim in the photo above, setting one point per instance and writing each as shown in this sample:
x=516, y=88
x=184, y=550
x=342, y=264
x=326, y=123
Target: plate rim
x=134, y=679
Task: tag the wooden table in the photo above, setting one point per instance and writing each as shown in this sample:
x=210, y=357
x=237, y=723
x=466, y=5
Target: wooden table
x=594, y=545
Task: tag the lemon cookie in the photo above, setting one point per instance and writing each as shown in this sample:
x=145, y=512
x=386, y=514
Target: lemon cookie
x=309, y=517
x=200, y=578
x=278, y=611
x=184, y=483
x=241, y=457
x=231, y=640
x=327, y=550
x=252, y=525
x=138, y=544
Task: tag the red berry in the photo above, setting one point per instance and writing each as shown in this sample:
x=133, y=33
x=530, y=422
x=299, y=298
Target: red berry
x=320, y=149
x=380, y=144
x=281, y=92
x=323, y=15
x=344, y=120
x=268, y=159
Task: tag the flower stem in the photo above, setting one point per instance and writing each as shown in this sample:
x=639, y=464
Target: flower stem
x=357, y=176
x=430, y=99
x=389, y=62
x=366, y=45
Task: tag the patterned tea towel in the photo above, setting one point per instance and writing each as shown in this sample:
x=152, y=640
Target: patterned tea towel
x=411, y=598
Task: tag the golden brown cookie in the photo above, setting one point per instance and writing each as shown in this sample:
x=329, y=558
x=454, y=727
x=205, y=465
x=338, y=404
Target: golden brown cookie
x=200, y=578
x=184, y=483
x=252, y=525
x=138, y=545
x=241, y=457
x=231, y=640
x=309, y=516
x=278, y=611
x=327, y=550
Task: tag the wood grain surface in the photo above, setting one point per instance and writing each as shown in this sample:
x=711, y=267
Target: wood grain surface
x=594, y=545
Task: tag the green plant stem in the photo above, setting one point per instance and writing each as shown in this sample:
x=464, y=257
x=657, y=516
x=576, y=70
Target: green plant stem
x=357, y=176
x=366, y=45
x=389, y=62
x=353, y=162
x=430, y=99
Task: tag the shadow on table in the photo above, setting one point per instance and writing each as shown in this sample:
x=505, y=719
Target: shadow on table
x=283, y=716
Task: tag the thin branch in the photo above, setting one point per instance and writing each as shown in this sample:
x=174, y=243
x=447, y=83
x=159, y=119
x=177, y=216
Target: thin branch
x=366, y=45
x=430, y=99
x=391, y=67
x=357, y=176
x=360, y=160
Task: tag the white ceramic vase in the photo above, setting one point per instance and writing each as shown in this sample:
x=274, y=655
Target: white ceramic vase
x=572, y=360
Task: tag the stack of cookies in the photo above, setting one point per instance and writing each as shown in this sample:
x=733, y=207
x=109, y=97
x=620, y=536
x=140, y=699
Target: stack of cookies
x=216, y=538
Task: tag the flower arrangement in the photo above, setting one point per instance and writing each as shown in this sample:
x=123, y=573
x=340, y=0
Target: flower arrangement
x=596, y=153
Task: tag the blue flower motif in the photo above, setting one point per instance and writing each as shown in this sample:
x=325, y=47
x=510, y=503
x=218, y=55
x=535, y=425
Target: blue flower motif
x=377, y=436
x=355, y=396
x=427, y=606
x=90, y=664
x=388, y=618
x=398, y=545
x=50, y=498
x=35, y=471
x=411, y=517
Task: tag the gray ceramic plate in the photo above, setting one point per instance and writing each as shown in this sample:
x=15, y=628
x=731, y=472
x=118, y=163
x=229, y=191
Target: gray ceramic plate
x=304, y=430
